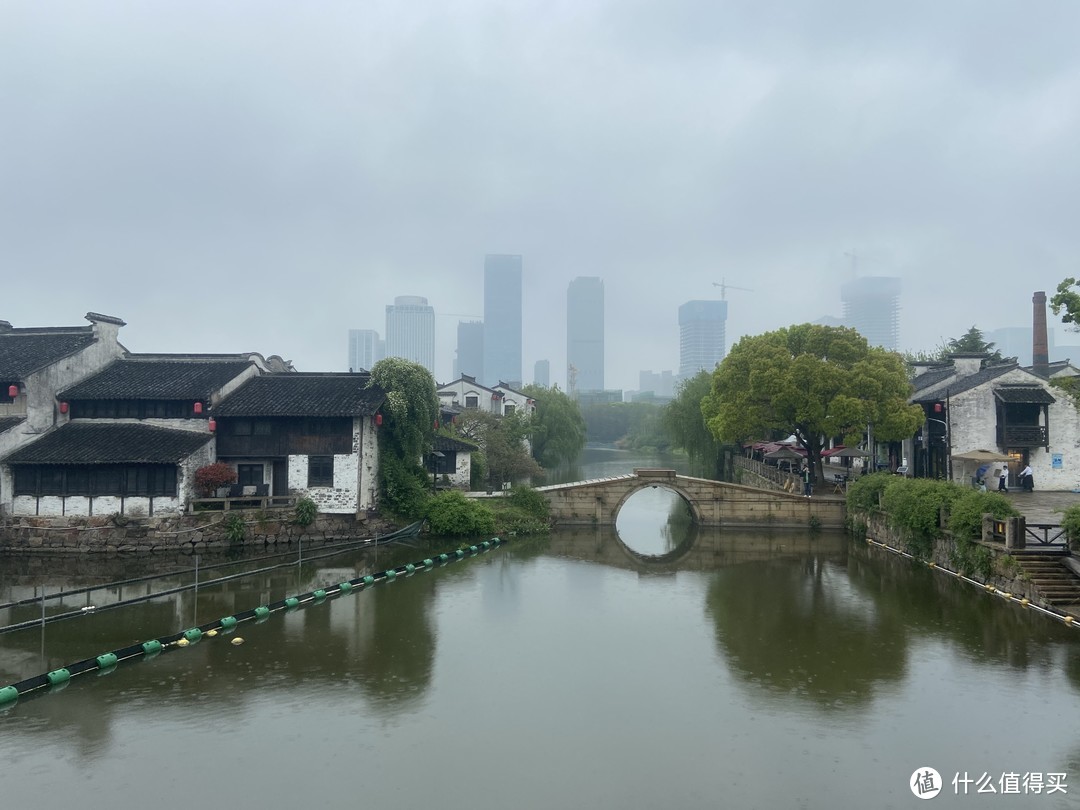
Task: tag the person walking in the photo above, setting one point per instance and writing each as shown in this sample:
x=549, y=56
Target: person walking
x=807, y=486
x=1003, y=480
x=1027, y=478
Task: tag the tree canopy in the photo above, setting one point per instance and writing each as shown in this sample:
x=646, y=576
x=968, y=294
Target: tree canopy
x=685, y=423
x=1068, y=300
x=411, y=408
x=814, y=382
x=557, y=428
x=503, y=439
x=971, y=342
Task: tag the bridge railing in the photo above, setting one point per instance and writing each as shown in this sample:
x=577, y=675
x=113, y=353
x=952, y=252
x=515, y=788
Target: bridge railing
x=783, y=480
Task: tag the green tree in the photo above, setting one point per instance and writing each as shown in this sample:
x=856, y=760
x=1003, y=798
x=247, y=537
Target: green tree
x=971, y=342
x=1066, y=299
x=557, y=427
x=409, y=413
x=505, y=450
x=813, y=381
x=685, y=423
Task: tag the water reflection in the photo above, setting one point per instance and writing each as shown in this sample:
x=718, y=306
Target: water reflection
x=655, y=521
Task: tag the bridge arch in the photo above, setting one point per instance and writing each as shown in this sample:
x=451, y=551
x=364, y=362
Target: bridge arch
x=646, y=483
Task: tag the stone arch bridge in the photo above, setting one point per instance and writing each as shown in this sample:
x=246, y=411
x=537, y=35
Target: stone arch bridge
x=712, y=503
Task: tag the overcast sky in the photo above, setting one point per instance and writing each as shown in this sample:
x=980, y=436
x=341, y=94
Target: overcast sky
x=263, y=176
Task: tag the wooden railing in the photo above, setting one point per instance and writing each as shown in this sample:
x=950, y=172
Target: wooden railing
x=241, y=502
x=784, y=480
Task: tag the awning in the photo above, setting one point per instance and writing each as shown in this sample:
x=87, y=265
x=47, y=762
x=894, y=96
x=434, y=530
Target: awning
x=1023, y=394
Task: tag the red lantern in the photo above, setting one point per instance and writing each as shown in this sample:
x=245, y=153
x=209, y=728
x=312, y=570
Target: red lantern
x=937, y=407
x=198, y=408
x=436, y=424
x=212, y=424
x=63, y=407
x=13, y=391
x=378, y=419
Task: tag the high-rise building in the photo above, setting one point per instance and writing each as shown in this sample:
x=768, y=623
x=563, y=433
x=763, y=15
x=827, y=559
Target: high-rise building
x=542, y=373
x=502, y=319
x=872, y=307
x=701, y=336
x=410, y=330
x=661, y=384
x=585, y=333
x=470, y=350
x=365, y=349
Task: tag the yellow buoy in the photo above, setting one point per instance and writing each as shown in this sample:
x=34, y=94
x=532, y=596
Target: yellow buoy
x=1025, y=602
x=236, y=642
x=1069, y=619
x=211, y=633
x=932, y=564
x=1006, y=595
x=182, y=642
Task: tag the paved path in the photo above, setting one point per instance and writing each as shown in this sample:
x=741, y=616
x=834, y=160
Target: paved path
x=1043, y=506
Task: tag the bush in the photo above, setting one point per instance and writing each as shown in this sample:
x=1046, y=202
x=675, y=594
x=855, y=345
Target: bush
x=304, y=514
x=234, y=529
x=914, y=506
x=965, y=514
x=531, y=502
x=404, y=487
x=451, y=513
x=1070, y=522
x=862, y=493
x=212, y=476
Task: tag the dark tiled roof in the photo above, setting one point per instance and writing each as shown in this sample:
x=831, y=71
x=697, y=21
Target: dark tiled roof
x=932, y=377
x=965, y=383
x=8, y=422
x=299, y=394
x=24, y=351
x=110, y=443
x=1023, y=393
x=156, y=377
x=450, y=444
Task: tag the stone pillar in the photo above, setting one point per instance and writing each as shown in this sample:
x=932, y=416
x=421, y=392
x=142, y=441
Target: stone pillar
x=987, y=527
x=1014, y=532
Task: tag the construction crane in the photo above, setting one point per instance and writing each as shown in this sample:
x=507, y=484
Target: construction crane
x=724, y=287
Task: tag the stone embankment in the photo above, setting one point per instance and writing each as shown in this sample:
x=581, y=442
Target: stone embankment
x=184, y=533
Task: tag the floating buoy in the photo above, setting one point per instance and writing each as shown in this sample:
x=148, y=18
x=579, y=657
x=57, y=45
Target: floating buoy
x=211, y=633
x=1069, y=619
x=236, y=642
x=183, y=642
x=8, y=694
x=1005, y=595
x=291, y=603
x=1025, y=602
x=932, y=564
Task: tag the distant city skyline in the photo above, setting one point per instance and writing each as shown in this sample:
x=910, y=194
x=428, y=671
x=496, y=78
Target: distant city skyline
x=585, y=333
x=365, y=349
x=469, y=355
x=871, y=305
x=701, y=335
x=410, y=330
x=502, y=318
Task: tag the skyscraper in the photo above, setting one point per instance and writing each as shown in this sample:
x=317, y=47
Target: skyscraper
x=701, y=336
x=502, y=319
x=872, y=306
x=585, y=333
x=470, y=349
x=410, y=330
x=364, y=349
x=542, y=373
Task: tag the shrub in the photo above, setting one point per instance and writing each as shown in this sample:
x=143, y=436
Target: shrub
x=965, y=513
x=304, y=513
x=1070, y=522
x=914, y=507
x=451, y=513
x=234, y=529
x=211, y=476
x=531, y=502
x=404, y=487
x=862, y=493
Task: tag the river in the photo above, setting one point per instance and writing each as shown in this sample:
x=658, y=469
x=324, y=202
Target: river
x=659, y=666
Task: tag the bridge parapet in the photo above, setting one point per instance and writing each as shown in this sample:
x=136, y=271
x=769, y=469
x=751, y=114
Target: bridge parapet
x=712, y=503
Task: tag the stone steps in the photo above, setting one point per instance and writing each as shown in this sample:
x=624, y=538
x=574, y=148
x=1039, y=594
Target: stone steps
x=1054, y=582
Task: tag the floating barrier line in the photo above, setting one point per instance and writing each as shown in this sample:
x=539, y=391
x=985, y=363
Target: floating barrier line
x=1023, y=601
x=106, y=662
x=341, y=547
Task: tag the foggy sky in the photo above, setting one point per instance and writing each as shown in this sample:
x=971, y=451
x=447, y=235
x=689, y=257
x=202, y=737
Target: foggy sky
x=263, y=176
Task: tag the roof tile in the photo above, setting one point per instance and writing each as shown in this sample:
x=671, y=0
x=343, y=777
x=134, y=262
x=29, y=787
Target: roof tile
x=110, y=443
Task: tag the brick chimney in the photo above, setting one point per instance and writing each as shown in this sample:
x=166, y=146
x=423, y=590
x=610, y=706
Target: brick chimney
x=1040, y=354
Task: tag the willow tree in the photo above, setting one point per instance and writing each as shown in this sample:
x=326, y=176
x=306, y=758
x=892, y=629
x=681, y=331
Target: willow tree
x=814, y=382
x=685, y=423
x=410, y=412
x=557, y=429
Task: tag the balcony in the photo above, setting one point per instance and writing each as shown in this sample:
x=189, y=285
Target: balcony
x=1022, y=436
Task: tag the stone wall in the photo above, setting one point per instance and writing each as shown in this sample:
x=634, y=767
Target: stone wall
x=205, y=530
x=944, y=548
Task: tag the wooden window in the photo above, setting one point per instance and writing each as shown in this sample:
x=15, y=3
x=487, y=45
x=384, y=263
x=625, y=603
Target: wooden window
x=248, y=475
x=472, y=402
x=320, y=471
x=508, y=408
